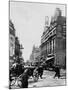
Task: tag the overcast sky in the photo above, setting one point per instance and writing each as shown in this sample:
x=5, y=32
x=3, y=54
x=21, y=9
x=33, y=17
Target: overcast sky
x=29, y=21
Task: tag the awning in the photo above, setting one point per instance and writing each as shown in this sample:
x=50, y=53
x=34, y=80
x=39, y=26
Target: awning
x=49, y=58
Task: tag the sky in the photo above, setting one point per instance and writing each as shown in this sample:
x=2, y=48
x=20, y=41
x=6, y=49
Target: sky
x=29, y=22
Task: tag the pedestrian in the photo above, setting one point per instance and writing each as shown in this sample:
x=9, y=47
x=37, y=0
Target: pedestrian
x=35, y=74
x=40, y=71
x=57, y=72
x=24, y=79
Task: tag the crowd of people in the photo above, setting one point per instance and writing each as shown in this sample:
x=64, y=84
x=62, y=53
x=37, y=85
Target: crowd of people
x=23, y=74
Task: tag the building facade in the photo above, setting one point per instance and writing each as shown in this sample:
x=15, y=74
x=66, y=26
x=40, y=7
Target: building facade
x=15, y=48
x=11, y=41
x=18, y=51
x=53, y=40
x=35, y=55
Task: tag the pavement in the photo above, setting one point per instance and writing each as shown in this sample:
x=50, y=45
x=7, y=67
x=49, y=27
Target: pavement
x=47, y=80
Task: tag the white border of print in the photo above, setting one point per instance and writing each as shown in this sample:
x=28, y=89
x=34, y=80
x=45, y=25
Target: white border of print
x=4, y=47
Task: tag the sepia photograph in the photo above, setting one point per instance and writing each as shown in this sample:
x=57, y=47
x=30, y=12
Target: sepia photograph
x=37, y=44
